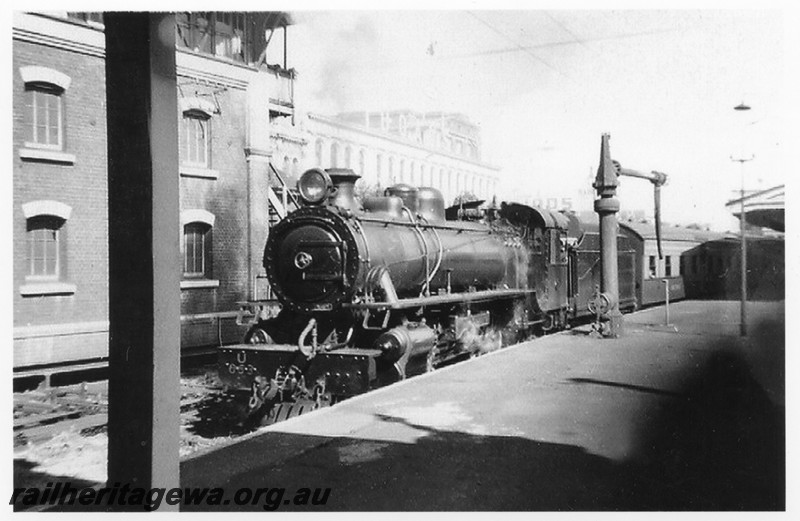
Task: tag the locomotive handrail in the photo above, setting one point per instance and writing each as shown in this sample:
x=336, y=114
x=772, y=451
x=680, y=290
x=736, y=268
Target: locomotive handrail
x=459, y=226
x=436, y=300
x=429, y=276
x=425, y=252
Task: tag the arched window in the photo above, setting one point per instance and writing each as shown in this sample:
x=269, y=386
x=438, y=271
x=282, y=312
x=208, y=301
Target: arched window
x=379, y=169
x=402, y=170
x=45, y=250
x=44, y=104
x=318, y=152
x=44, y=234
x=195, y=139
x=334, y=155
x=391, y=170
x=197, y=244
x=347, y=157
x=362, y=160
x=195, y=145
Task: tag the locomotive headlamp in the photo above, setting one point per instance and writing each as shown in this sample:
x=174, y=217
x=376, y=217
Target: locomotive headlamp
x=314, y=186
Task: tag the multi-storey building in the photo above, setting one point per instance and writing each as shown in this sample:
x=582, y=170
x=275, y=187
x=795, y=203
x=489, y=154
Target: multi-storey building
x=60, y=223
x=229, y=94
x=434, y=149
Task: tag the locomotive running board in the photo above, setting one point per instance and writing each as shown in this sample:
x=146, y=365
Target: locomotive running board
x=438, y=300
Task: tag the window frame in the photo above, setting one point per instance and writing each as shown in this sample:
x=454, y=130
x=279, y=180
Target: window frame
x=203, y=220
x=216, y=31
x=46, y=221
x=46, y=212
x=203, y=231
x=195, y=116
x=35, y=92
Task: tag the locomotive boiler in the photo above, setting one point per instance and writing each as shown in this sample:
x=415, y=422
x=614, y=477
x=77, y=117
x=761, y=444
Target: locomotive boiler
x=374, y=290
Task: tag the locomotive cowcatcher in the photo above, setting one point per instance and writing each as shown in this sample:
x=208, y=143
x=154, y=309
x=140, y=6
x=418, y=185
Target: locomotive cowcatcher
x=375, y=290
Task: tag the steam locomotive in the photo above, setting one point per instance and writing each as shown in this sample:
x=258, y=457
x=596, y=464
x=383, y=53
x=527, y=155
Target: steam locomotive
x=375, y=290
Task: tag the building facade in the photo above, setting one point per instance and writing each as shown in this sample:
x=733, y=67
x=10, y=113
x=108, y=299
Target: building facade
x=60, y=223
x=228, y=96
x=439, y=150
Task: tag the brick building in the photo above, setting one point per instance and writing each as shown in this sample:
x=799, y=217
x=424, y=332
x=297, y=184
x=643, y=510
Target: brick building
x=60, y=223
x=229, y=95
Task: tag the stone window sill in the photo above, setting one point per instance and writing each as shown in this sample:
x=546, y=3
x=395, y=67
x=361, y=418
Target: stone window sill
x=46, y=156
x=199, y=284
x=46, y=288
x=199, y=172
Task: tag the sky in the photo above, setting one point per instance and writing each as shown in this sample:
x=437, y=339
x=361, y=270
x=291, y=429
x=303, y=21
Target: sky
x=544, y=85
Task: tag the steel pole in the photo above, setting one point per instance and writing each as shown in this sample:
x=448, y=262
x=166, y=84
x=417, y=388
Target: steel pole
x=743, y=318
x=742, y=107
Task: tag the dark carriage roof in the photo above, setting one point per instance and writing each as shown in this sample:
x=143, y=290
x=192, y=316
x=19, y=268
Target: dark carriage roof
x=670, y=232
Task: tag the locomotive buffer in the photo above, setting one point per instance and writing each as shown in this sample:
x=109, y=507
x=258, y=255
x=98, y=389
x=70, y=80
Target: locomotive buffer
x=605, y=303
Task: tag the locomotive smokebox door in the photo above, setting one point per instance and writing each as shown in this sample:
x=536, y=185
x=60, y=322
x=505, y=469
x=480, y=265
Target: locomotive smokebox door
x=310, y=262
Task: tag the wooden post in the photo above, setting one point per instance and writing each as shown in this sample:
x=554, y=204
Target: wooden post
x=144, y=255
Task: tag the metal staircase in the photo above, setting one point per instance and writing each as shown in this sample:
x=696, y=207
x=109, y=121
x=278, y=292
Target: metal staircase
x=282, y=199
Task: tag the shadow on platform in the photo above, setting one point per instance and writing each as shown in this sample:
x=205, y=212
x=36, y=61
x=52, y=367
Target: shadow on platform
x=718, y=444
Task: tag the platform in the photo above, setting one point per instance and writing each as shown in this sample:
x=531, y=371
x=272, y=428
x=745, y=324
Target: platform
x=686, y=416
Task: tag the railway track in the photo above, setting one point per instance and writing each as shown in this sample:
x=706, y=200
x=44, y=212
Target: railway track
x=42, y=414
x=208, y=413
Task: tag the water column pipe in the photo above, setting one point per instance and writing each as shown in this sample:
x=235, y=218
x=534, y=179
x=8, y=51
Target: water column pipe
x=607, y=206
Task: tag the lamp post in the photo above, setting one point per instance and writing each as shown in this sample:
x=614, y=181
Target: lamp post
x=743, y=319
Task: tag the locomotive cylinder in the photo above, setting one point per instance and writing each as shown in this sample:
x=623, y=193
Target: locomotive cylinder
x=408, y=341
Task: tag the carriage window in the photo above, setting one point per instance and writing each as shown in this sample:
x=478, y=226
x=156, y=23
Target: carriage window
x=537, y=240
x=651, y=267
x=668, y=266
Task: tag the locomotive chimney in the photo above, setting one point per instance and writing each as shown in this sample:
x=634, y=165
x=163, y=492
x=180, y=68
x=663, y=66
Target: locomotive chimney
x=344, y=184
